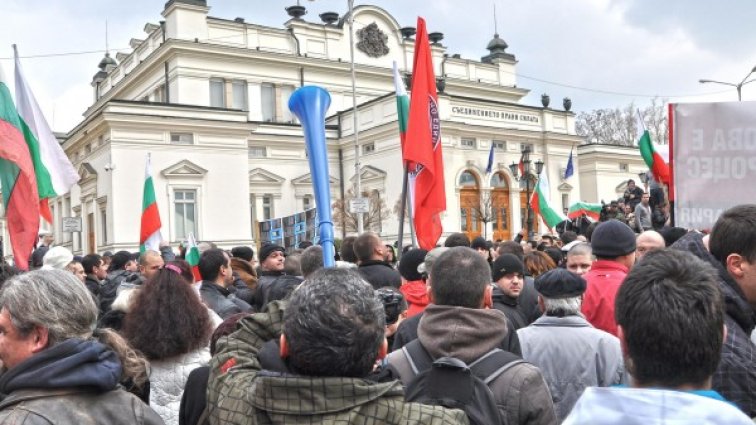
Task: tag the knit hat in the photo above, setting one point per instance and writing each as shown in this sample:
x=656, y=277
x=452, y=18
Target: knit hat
x=479, y=243
x=560, y=283
x=612, y=239
x=506, y=264
x=243, y=252
x=56, y=258
x=430, y=258
x=268, y=249
x=409, y=262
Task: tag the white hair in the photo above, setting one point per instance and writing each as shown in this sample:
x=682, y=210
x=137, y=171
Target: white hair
x=562, y=306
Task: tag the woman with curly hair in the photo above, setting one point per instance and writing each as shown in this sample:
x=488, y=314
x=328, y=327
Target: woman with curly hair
x=168, y=323
x=538, y=263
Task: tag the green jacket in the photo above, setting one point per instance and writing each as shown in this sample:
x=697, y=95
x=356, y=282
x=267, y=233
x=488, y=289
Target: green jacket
x=239, y=394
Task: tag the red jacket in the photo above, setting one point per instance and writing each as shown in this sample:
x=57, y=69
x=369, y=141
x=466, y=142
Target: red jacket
x=604, y=281
x=415, y=293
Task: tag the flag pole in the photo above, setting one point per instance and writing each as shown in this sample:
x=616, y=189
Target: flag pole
x=403, y=207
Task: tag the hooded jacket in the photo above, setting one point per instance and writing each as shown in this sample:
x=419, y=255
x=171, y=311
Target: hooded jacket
x=735, y=377
x=635, y=406
x=240, y=392
x=379, y=274
x=416, y=294
x=73, y=382
x=521, y=393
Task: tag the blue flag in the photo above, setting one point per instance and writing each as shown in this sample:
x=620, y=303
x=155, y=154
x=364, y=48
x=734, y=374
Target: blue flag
x=570, y=170
x=489, y=168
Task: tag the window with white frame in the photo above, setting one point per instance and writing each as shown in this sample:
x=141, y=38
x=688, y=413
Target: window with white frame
x=258, y=152
x=368, y=148
x=239, y=95
x=268, y=102
x=267, y=207
x=528, y=146
x=307, y=202
x=217, y=92
x=185, y=212
x=499, y=145
x=467, y=143
x=624, y=167
x=565, y=201
x=182, y=138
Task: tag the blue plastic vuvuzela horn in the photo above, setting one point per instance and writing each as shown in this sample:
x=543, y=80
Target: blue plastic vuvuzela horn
x=309, y=104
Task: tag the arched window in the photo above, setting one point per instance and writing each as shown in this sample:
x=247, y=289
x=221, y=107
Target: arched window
x=467, y=179
x=498, y=181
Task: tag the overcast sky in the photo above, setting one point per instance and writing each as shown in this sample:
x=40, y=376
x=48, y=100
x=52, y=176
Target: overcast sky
x=600, y=53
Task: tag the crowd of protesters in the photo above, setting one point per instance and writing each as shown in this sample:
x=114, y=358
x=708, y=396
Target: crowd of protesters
x=620, y=324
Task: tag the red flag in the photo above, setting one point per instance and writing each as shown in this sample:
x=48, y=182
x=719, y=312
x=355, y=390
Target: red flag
x=422, y=150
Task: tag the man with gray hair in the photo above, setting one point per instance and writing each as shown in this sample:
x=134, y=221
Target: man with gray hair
x=311, y=260
x=55, y=372
x=307, y=362
x=571, y=354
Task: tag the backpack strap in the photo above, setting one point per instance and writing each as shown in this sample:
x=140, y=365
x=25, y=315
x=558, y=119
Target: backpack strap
x=418, y=358
x=493, y=364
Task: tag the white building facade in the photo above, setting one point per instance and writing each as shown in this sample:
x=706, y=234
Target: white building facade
x=207, y=98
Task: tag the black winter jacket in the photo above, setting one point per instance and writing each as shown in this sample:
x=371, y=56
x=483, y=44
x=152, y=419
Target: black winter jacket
x=379, y=274
x=735, y=377
x=222, y=301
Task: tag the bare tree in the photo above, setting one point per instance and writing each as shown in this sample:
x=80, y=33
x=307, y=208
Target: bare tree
x=373, y=220
x=619, y=126
x=484, y=210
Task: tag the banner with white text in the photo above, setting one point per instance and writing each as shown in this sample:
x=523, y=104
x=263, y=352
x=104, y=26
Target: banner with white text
x=714, y=160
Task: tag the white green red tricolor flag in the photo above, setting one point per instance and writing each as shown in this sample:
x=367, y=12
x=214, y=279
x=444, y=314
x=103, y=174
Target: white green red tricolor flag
x=653, y=159
x=579, y=208
x=422, y=149
x=19, y=184
x=149, y=232
x=402, y=104
x=192, y=256
x=54, y=172
x=540, y=202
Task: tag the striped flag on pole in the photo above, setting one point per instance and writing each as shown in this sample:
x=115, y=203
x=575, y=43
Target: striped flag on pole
x=149, y=233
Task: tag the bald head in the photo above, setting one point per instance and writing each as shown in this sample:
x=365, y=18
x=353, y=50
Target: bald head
x=650, y=240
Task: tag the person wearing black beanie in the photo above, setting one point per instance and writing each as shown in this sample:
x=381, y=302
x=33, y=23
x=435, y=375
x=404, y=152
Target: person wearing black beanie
x=507, y=274
x=413, y=286
x=271, y=257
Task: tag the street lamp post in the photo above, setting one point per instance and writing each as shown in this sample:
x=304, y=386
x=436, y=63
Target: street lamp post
x=738, y=86
x=526, y=174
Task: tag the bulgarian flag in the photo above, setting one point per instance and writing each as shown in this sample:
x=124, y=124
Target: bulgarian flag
x=192, y=256
x=402, y=104
x=149, y=233
x=540, y=202
x=54, y=172
x=579, y=208
x=422, y=150
x=19, y=184
x=653, y=159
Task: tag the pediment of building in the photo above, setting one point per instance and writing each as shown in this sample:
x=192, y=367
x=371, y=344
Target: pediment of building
x=184, y=168
x=262, y=176
x=86, y=172
x=306, y=180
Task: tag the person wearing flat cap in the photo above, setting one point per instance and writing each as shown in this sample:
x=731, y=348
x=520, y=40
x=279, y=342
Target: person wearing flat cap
x=507, y=275
x=572, y=354
x=613, y=244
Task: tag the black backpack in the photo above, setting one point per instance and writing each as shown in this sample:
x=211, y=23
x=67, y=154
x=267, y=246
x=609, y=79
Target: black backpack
x=451, y=383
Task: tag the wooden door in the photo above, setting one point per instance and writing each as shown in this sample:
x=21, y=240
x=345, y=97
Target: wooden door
x=502, y=214
x=524, y=207
x=469, y=201
x=92, y=249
